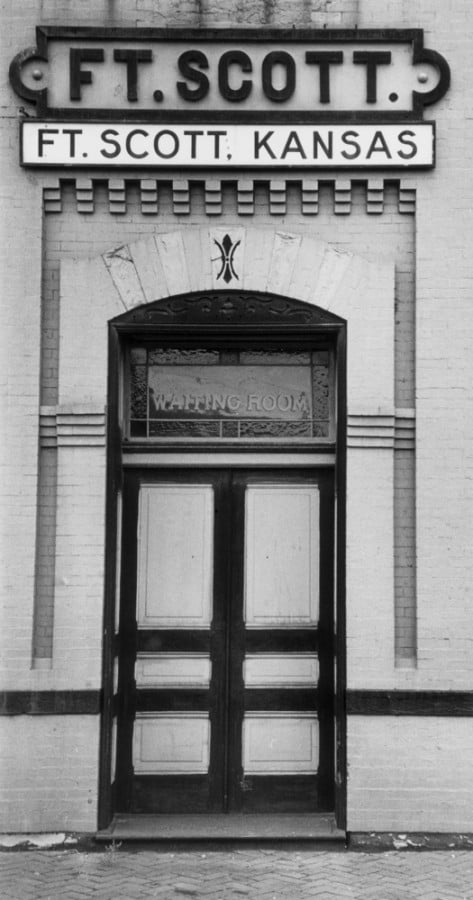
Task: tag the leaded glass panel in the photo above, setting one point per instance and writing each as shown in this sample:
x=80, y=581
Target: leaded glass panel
x=207, y=394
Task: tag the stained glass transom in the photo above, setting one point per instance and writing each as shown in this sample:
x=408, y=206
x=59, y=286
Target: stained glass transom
x=244, y=394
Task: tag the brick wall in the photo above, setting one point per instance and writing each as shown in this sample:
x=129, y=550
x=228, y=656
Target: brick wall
x=409, y=774
x=48, y=773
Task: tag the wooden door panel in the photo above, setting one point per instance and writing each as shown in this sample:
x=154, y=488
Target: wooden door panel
x=280, y=743
x=281, y=556
x=173, y=670
x=280, y=670
x=226, y=665
x=281, y=794
x=172, y=749
x=279, y=698
x=171, y=743
x=162, y=794
x=175, y=556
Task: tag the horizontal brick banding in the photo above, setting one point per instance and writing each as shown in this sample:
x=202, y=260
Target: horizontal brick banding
x=410, y=703
x=70, y=426
x=361, y=703
x=50, y=703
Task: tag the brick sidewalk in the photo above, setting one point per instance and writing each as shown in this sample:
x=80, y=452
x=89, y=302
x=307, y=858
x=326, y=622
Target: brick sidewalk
x=236, y=875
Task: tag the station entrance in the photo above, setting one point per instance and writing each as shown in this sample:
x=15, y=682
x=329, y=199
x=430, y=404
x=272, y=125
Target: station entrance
x=227, y=661
x=225, y=649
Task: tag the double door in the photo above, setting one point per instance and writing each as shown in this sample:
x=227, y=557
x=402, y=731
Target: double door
x=226, y=642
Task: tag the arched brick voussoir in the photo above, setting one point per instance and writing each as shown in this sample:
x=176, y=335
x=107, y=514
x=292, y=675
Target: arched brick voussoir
x=258, y=255
x=198, y=259
x=171, y=250
x=159, y=266
x=149, y=268
x=305, y=273
x=122, y=269
x=176, y=262
x=294, y=265
x=284, y=254
x=333, y=266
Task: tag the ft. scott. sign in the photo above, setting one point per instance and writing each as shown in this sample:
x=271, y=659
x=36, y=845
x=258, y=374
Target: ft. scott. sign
x=149, y=97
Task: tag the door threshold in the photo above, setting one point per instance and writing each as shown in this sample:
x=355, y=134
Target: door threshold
x=223, y=827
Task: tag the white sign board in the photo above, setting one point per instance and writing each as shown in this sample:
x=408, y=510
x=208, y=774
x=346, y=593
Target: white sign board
x=356, y=145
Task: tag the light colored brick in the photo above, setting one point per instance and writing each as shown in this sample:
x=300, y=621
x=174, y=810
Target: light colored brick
x=49, y=773
x=402, y=777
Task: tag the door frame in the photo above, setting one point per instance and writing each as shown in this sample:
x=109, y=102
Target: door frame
x=233, y=318
x=227, y=698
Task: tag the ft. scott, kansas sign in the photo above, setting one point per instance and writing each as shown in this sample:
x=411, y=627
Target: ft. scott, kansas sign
x=163, y=98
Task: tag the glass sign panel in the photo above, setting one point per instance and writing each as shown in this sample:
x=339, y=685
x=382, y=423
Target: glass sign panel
x=211, y=394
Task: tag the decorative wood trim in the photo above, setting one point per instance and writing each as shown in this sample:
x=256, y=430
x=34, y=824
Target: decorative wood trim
x=226, y=308
x=50, y=703
x=456, y=704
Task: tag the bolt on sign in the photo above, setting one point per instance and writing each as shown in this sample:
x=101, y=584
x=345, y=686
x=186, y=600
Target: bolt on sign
x=246, y=98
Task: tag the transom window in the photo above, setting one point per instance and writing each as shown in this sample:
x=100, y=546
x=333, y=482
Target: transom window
x=209, y=394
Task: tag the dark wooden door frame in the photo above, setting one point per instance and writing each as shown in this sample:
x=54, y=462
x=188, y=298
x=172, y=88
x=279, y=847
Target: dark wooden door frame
x=187, y=791
x=305, y=790
x=227, y=641
x=232, y=319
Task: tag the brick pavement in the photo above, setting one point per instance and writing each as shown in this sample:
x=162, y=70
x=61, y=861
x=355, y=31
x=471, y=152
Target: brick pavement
x=256, y=874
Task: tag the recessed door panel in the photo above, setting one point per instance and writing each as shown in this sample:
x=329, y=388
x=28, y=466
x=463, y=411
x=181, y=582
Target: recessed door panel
x=169, y=744
x=175, y=556
x=280, y=743
x=226, y=673
x=283, y=670
x=281, y=556
x=173, y=670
